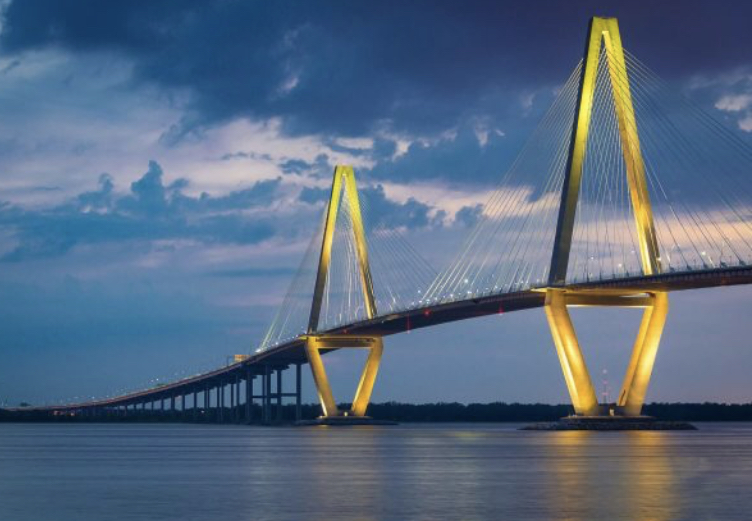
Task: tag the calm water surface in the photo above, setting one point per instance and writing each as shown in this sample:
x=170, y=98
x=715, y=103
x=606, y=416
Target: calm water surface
x=184, y=472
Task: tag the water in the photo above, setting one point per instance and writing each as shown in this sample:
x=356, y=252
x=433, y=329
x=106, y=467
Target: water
x=106, y=472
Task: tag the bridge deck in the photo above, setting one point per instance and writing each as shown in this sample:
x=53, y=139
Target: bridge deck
x=293, y=353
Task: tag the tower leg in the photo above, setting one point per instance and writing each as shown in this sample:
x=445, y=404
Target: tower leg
x=367, y=379
x=573, y=365
x=320, y=380
x=637, y=378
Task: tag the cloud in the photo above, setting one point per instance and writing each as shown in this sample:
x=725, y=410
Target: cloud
x=382, y=212
x=468, y=215
x=383, y=91
x=746, y=123
x=313, y=195
x=731, y=92
x=391, y=71
x=10, y=66
x=740, y=105
x=341, y=69
x=70, y=116
x=320, y=167
x=245, y=155
x=98, y=200
x=460, y=157
x=379, y=211
x=734, y=103
x=151, y=211
x=254, y=272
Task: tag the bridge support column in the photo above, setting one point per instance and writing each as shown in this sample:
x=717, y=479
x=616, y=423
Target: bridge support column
x=267, y=394
x=216, y=417
x=279, y=395
x=207, y=403
x=576, y=376
x=315, y=344
x=221, y=401
x=298, y=389
x=248, y=396
x=238, y=416
x=232, y=401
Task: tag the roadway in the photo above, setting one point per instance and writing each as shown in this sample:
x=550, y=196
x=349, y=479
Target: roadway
x=293, y=352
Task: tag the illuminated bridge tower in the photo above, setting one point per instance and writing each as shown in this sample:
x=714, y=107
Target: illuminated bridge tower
x=343, y=185
x=605, y=31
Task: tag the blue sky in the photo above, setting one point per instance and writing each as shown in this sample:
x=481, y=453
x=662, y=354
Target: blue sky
x=162, y=163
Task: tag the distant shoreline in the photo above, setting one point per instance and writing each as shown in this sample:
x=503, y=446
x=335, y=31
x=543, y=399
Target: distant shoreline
x=516, y=412
x=454, y=412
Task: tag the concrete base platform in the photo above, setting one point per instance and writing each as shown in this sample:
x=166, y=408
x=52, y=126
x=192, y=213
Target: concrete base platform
x=610, y=423
x=344, y=421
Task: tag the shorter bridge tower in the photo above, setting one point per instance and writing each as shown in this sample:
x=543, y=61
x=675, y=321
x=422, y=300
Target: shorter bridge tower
x=315, y=344
x=605, y=31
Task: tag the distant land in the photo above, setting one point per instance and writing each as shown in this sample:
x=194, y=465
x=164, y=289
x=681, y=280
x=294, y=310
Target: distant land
x=457, y=412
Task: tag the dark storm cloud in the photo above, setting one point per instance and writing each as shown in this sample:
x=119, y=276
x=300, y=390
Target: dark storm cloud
x=344, y=68
x=151, y=211
x=319, y=168
x=383, y=212
x=314, y=195
x=468, y=215
x=460, y=158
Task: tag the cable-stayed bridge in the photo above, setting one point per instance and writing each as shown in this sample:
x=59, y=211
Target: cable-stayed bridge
x=625, y=192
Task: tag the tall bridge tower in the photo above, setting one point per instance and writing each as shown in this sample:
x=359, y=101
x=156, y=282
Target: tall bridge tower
x=605, y=32
x=343, y=184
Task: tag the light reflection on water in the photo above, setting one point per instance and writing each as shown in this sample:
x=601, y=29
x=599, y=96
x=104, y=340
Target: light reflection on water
x=184, y=472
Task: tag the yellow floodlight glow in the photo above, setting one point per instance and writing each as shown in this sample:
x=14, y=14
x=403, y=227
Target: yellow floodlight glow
x=344, y=181
x=605, y=31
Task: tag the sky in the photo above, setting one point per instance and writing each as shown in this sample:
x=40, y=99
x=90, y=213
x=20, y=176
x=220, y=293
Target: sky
x=163, y=165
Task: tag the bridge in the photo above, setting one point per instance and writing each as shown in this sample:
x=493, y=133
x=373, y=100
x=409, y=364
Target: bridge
x=624, y=193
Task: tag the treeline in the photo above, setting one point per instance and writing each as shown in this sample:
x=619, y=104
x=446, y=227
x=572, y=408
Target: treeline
x=539, y=412
x=473, y=412
x=700, y=411
x=446, y=412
